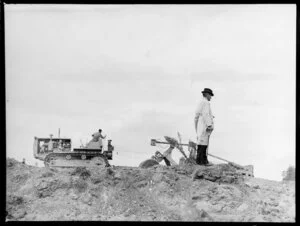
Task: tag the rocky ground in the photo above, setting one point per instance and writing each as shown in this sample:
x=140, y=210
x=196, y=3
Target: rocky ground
x=160, y=193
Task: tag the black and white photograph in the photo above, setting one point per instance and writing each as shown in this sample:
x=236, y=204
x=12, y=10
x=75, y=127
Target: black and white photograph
x=152, y=113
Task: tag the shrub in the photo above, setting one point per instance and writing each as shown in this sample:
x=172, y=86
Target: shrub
x=82, y=172
x=289, y=174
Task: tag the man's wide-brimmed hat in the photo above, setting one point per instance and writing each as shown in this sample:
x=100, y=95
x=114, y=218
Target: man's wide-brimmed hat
x=207, y=90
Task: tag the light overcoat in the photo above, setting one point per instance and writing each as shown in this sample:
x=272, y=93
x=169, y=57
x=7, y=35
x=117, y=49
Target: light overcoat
x=205, y=118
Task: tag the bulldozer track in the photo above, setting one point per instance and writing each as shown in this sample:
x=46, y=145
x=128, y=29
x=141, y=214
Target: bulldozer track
x=71, y=156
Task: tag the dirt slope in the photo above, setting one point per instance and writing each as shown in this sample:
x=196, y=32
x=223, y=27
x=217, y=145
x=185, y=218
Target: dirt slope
x=181, y=193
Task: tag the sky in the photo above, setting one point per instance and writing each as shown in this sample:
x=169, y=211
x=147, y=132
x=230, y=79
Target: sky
x=137, y=72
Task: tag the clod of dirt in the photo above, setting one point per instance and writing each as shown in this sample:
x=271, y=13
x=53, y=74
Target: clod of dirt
x=222, y=173
x=14, y=200
x=15, y=207
x=82, y=172
x=79, y=185
x=48, y=174
x=203, y=214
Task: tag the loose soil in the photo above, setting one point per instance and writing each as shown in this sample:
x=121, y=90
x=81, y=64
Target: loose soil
x=160, y=193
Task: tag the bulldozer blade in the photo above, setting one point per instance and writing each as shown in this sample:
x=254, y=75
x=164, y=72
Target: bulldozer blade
x=148, y=163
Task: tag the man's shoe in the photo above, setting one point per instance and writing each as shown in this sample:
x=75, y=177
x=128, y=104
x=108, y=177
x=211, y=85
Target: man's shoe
x=202, y=163
x=208, y=164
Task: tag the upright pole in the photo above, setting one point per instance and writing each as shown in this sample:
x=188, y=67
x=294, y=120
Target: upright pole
x=58, y=132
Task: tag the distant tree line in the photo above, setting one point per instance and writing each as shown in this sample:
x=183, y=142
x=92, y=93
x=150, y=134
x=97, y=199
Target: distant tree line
x=289, y=174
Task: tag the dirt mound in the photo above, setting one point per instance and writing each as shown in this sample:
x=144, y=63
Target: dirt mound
x=160, y=193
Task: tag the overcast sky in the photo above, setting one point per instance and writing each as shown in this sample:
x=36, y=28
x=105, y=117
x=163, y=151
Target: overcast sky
x=137, y=72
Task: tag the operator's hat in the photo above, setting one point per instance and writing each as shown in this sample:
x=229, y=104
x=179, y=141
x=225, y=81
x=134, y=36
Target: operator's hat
x=207, y=90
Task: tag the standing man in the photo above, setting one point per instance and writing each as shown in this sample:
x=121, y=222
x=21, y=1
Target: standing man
x=97, y=137
x=204, y=126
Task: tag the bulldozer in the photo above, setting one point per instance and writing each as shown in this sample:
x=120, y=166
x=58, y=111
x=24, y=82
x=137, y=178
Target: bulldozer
x=58, y=152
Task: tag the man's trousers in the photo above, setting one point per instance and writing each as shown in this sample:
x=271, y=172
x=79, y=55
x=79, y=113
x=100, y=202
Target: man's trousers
x=201, y=158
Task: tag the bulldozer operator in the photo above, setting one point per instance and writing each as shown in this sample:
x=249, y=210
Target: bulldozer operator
x=47, y=146
x=97, y=137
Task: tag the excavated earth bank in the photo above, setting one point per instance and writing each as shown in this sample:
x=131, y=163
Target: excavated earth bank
x=159, y=193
